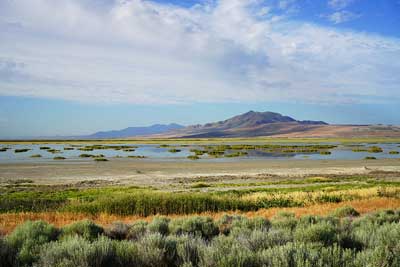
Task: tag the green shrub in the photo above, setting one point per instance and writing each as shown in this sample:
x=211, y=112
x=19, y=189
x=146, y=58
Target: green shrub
x=322, y=232
x=79, y=252
x=197, y=226
x=36, y=156
x=345, y=211
x=155, y=250
x=369, y=158
x=159, y=225
x=59, y=158
x=8, y=254
x=137, y=230
x=85, y=229
x=394, y=152
x=286, y=220
x=27, y=238
x=117, y=230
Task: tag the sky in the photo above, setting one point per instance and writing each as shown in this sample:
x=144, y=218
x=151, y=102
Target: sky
x=72, y=67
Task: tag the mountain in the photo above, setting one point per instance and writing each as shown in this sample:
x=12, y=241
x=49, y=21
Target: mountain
x=136, y=131
x=247, y=125
x=253, y=124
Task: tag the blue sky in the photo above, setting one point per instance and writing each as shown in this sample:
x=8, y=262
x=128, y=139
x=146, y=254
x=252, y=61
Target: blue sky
x=78, y=66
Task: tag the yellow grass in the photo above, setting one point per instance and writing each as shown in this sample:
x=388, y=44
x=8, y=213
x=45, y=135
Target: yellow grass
x=8, y=221
x=309, y=198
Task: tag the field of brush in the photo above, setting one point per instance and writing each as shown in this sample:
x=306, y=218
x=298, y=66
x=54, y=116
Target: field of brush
x=201, y=213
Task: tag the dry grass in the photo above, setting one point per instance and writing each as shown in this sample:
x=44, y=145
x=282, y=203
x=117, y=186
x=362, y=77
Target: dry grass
x=8, y=221
x=310, y=198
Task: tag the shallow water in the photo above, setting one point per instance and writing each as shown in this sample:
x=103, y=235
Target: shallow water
x=154, y=152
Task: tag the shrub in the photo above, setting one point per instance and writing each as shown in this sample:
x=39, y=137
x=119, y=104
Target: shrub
x=137, y=230
x=27, y=238
x=155, y=250
x=322, y=232
x=193, y=157
x=197, y=226
x=85, y=229
x=79, y=252
x=118, y=230
x=36, y=156
x=159, y=225
x=369, y=158
x=284, y=220
x=59, y=158
x=394, y=152
x=7, y=254
x=345, y=211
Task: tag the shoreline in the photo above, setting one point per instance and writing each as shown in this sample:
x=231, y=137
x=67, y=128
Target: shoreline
x=137, y=172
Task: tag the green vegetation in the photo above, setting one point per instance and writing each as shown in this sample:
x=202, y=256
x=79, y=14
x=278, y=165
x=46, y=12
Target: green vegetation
x=69, y=148
x=136, y=157
x=369, y=158
x=100, y=159
x=375, y=149
x=193, y=157
x=59, y=158
x=325, y=152
x=124, y=200
x=36, y=156
x=54, y=151
x=200, y=185
x=394, y=152
x=45, y=147
x=3, y=149
x=174, y=150
x=21, y=150
x=233, y=240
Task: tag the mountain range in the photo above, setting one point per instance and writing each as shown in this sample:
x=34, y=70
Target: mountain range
x=136, y=131
x=253, y=124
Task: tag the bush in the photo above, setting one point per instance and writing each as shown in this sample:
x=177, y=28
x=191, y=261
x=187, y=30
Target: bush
x=345, y=211
x=322, y=232
x=27, y=238
x=117, y=230
x=284, y=220
x=7, y=254
x=159, y=225
x=137, y=230
x=196, y=226
x=85, y=229
x=155, y=250
x=78, y=252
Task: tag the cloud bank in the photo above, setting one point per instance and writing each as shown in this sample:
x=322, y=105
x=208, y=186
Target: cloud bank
x=143, y=52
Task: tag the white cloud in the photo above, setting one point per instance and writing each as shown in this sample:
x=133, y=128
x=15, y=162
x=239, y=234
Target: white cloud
x=226, y=51
x=342, y=16
x=339, y=4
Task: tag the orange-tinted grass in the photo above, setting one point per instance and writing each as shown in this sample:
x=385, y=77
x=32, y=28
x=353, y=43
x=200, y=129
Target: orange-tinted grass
x=8, y=221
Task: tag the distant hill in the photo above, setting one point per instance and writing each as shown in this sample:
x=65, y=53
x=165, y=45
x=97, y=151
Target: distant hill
x=252, y=124
x=136, y=131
